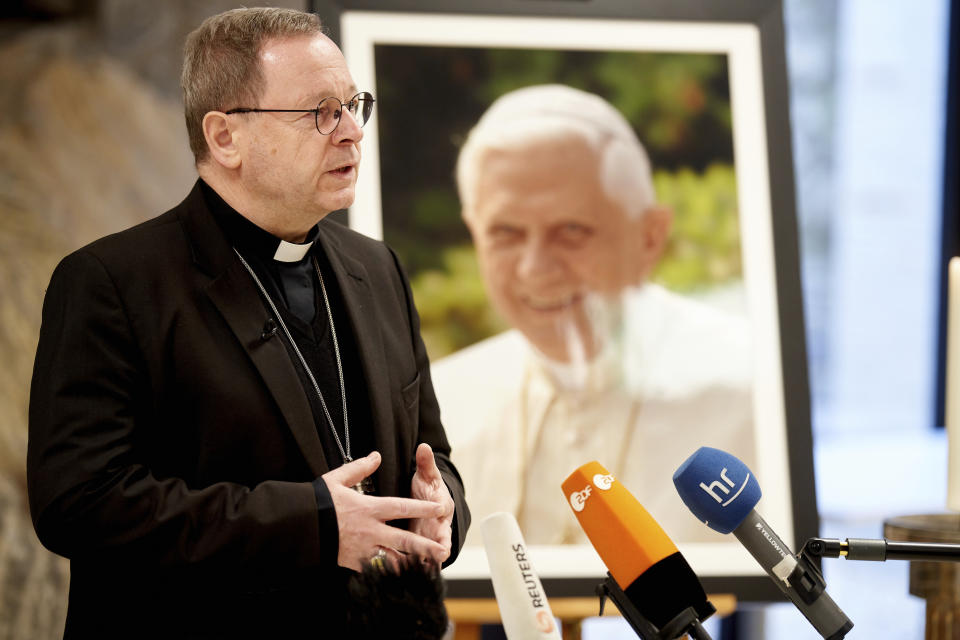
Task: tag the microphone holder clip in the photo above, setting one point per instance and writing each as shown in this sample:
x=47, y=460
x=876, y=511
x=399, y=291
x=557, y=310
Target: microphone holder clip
x=685, y=622
x=806, y=577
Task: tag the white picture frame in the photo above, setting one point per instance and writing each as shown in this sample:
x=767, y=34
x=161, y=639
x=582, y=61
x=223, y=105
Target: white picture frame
x=768, y=238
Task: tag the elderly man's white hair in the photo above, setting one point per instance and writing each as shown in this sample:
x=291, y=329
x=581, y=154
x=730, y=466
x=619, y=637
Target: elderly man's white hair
x=543, y=112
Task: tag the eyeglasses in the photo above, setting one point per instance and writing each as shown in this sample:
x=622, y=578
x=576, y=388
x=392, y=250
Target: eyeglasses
x=327, y=114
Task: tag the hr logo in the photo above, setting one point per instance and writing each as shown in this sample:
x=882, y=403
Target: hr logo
x=725, y=487
x=578, y=499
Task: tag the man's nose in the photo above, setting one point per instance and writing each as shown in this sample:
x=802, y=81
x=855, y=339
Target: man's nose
x=538, y=260
x=348, y=130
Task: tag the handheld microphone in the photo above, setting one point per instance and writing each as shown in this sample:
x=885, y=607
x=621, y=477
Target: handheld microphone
x=721, y=492
x=646, y=571
x=523, y=603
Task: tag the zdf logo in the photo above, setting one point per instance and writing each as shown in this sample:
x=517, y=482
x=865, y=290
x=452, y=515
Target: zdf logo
x=578, y=499
x=603, y=481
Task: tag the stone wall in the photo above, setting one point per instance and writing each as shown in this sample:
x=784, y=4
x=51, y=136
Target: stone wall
x=86, y=148
x=92, y=141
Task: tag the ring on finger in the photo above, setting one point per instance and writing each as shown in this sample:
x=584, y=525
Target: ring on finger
x=377, y=561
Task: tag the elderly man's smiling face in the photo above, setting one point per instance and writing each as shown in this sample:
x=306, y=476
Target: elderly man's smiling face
x=550, y=240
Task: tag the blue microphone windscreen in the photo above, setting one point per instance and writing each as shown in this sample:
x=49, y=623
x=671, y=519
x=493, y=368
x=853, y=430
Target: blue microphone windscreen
x=718, y=488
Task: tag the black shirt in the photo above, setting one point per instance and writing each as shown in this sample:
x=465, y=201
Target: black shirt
x=295, y=290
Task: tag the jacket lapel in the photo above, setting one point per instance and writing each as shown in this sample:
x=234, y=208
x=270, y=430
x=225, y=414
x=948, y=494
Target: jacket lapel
x=358, y=296
x=234, y=293
x=235, y=296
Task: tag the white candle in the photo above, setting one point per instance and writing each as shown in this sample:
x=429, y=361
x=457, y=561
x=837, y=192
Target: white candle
x=952, y=386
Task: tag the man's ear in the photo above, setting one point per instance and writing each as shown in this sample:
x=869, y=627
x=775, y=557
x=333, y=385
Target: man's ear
x=654, y=232
x=221, y=139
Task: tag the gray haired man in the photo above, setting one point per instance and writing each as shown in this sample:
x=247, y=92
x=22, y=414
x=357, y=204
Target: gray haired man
x=601, y=364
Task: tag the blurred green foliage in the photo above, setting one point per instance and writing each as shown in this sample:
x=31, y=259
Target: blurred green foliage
x=679, y=104
x=704, y=246
x=428, y=98
x=453, y=307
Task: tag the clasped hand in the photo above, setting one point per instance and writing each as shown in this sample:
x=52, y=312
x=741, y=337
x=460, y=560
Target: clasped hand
x=362, y=519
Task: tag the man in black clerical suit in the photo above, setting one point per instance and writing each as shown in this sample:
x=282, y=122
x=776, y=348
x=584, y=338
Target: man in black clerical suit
x=231, y=406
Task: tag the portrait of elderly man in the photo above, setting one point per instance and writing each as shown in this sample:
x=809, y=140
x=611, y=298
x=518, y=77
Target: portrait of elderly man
x=600, y=363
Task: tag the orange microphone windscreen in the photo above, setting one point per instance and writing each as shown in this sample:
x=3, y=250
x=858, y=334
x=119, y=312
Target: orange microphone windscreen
x=625, y=535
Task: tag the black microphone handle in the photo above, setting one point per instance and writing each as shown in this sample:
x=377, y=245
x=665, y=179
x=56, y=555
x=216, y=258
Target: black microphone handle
x=687, y=622
x=779, y=562
x=880, y=550
x=932, y=551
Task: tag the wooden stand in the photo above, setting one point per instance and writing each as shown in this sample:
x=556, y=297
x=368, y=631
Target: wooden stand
x=936, y=582
x=469, y=614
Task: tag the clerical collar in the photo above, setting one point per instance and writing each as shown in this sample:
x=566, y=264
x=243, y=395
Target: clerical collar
x=248, y=238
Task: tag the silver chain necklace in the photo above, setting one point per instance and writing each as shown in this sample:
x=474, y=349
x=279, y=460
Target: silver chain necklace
x=344, y=451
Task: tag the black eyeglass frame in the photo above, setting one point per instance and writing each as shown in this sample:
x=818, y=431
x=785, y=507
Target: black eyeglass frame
x=366, y=96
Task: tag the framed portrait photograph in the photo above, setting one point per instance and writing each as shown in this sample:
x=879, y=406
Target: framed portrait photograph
x=594, y=203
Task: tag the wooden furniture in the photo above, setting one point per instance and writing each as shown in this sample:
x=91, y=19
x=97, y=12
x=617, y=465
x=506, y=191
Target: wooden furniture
x=468, y=614
x=936, y=582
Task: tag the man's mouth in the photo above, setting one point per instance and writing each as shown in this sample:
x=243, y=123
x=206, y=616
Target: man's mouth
x=551, y=303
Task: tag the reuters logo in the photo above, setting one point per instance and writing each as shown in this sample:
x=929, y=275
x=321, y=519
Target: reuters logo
x=603, y=481
x=578, y=499
x=544, y=622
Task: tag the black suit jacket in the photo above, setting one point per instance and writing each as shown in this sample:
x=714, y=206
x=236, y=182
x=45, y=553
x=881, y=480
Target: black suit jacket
x=172, y=448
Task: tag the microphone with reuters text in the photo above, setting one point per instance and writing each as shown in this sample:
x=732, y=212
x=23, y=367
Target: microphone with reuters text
x=722, y=492
x=649, y=580
x=523, y=603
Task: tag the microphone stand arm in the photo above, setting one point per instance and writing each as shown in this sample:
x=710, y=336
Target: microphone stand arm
x=685, y=622
x=880, y=550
